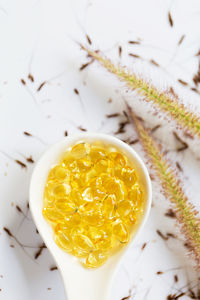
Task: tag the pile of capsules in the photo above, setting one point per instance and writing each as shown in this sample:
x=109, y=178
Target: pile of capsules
x=93, y=200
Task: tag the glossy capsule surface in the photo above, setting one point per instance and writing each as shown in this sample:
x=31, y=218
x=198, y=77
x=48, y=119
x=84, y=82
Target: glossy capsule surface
x=93, y=201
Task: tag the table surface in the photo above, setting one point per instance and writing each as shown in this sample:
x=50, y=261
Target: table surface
x=44, y=95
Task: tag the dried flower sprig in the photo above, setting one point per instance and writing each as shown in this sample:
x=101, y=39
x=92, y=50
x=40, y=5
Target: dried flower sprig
x=185, y=213
x=185, y=118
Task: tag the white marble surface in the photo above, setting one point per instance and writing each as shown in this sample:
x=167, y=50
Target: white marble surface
x=38, y=37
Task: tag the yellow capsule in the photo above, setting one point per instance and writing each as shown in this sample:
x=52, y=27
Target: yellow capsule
x=63, y=240
x=84, y=164
x=87, y=195
x=121, y=232
x=97, y=153
x=52, y=215
x=98, y=193
x=106, y=244
x=95, y=259
x=102, y=165
x=82, y=242
x=79, y=252
x=124, y=208
x=132, y=218
x=114, y=186
x=75, y=219
x=60, y=190
x=109, y=206
x=59, y=173
x=118, y=159
x=89, y=207
x=80, y=150
x=66, y=206
x=94, y=219
x=128, y=176
x=96, y=233
x=135, y=195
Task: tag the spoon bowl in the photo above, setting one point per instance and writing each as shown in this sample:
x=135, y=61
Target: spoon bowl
x=79, y=282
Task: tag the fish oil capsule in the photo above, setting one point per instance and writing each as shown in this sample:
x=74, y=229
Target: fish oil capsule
x=135, y=195
x=59, y=173
x=80, y=150
x=128, y=176
x=84, y=164
x=95, y=259
x=102, y=165
x=94, y=219
x=82, y=242
x=96, y=153
x=109, y=206
x=63, y=240
x=114, y=186
x=118, y=159
x=124, y=208
x=66, y=206
x=121, y=232
x=61, y=190
x=52, y=215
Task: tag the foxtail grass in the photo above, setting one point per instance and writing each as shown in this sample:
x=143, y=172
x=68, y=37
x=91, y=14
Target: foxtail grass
x=184, y=117
x=186, y=214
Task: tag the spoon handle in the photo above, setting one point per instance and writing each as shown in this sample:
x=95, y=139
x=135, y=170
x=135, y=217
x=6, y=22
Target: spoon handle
x=87, y=284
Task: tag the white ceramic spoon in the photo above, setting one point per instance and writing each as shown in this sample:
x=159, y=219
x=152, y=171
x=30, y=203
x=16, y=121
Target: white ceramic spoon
x=81, y=283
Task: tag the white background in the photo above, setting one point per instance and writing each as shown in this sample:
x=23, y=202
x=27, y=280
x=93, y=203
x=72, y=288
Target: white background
x=40, y=37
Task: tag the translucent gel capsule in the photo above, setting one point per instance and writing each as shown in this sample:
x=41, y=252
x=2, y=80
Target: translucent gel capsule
x=61, y=190
x=66, y=206
x=102, y=165
x=135, y=195
x=128, y=176
x=63, y=240
x=118, y=158
x=95, y=259
x=52, y=215
x=121, y=232
x=82, y=242
x=124, y=208
x=114, y=186
x=84, y=165
x=93, y=201
x=59, y=173
x=97, y=153
x=80, y=150
x=109, y=206
x=94, y=219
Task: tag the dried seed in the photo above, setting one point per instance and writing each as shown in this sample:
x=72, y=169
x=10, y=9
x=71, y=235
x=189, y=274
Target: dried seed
x=134, y=55
x=23, y=81
x=53, y=268
x=134, y=42
x=153, y=62
x=27, y=133
x=30, y=77
x=182, y=82
x=170, y=19
x=88, y=39
x=112, y=115
x=181, y=40
x=165, y=238
x=23, y=165
x=170, y=213
x=76, y=91
x=120, y=51
x=41, y=86
x=7, y=231
x=144, y=246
